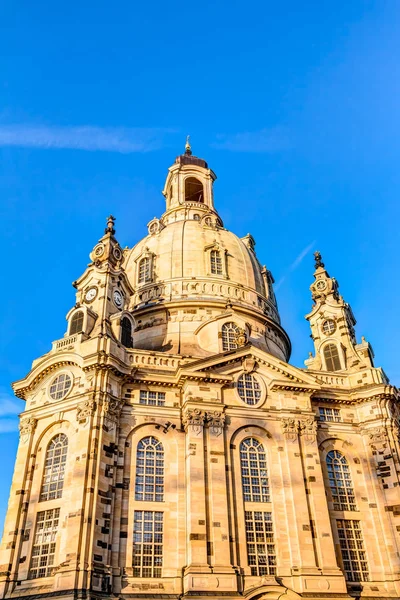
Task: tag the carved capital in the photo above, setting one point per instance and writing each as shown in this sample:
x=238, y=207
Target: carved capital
x=27, y=426
x=193, y=420
x=85, y=409
x=215, y=420
x=377, y=435
x=308, y=428
x=290, y=428
x=112, y=409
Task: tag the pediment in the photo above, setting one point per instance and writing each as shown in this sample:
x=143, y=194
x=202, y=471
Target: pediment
x=224, y=366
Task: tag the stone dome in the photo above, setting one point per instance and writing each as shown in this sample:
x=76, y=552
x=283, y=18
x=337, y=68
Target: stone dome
x=190, y=275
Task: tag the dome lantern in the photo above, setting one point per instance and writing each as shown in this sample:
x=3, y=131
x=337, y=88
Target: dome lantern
x=189, y=186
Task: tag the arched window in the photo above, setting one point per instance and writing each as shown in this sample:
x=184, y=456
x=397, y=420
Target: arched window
x=216, y=262
x=126, y=332
x=230, y=331
x=193, y=190
x=340, y=481
x=150, y=470
x=253, y=464
x=332, y=360
x=76, y=325
x=144, y=270
x=54, y=468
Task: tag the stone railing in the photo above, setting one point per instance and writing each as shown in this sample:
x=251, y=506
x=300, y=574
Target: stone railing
x=66, y=342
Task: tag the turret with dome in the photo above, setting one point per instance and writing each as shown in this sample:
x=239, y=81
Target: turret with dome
x=169, y=450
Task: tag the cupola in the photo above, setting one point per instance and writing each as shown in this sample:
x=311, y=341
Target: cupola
x=188, y=188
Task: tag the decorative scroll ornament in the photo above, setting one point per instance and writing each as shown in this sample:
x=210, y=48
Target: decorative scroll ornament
x=85, y=409
x=193, y=419
x=215, y=420
x=249, y=364
x=240, y=338
x=27, y=426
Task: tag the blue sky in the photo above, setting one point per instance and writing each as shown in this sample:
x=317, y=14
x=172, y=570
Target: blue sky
x=293, y=104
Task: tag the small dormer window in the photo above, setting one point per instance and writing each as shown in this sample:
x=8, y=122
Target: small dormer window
x=76, y=325
x=194, y=190
x=216, y=262
x=144, y=270
x=196, y=217
x=332, y=360
x=126, y=332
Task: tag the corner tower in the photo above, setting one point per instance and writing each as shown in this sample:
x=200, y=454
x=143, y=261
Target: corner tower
x=332, y=325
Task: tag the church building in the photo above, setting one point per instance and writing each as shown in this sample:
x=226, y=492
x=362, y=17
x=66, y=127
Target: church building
x=168, y=450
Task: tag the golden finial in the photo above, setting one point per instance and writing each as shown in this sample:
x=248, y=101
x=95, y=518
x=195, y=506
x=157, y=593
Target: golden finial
x=188, y=148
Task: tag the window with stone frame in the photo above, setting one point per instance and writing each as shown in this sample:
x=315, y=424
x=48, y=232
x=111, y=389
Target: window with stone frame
x=148, y=532
x=352, y=550
x=152, y=398
x=249, y=389
x=340, y=481
x=144, y=268
x=149, y=484
x=216, y=262
x=332, y=359
x=260, y=543
x=44, y=543
x=253, y=463
x=329, y=414
x=229, y=333
x=54, y=468
x=76, y=325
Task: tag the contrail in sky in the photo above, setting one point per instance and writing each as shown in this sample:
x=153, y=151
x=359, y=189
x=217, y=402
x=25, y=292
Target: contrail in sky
x=108, y=139
x=295, y=263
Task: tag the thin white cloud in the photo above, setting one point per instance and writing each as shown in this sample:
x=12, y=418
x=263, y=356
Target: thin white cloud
x=295, y=263
x=10, y=407
x=8, y=425
x=264, y=140
x=109, y=139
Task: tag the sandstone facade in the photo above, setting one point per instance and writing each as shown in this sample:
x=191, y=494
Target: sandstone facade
x=168, y=449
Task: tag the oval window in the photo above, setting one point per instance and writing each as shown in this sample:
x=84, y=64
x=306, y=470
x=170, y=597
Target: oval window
x=249, y=389
x=60, y=386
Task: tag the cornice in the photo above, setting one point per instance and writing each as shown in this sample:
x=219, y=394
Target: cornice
x=22, y=391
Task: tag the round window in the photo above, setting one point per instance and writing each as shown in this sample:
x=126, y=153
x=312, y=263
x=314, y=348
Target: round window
x=329, y=326
x=60, y=386
x=249, y=389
